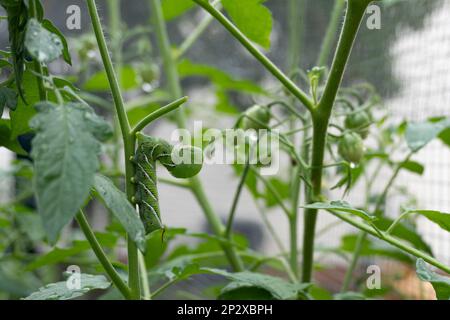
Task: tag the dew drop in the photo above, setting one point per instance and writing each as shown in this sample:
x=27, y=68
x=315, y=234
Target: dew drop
x=88, y=116
x=147, y=87
x=91, y=54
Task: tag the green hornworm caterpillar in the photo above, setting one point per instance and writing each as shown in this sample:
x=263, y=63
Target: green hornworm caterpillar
x=150, y=151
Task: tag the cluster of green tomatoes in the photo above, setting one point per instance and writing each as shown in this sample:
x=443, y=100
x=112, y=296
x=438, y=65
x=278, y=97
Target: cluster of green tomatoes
x=351, y=144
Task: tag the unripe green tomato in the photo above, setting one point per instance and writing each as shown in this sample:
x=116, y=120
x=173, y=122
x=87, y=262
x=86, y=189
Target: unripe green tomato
x=87, y=48
x=259, y=113
x=189, y=168
x=148, y=73
x=351, y=147
x=359, y=122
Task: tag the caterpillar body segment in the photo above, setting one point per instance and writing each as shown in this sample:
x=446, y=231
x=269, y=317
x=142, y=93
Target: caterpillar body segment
x=149, y=152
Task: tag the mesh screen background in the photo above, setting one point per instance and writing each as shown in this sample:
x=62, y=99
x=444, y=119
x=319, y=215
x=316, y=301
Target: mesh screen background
x=408, y=61
x=418, y=87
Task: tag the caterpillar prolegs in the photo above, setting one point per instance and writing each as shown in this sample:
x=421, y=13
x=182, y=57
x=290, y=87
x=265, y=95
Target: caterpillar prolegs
x=181, y=162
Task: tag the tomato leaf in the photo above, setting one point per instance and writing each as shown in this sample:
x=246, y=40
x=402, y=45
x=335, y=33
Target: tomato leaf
x=218, y=77
x=440, y=283
x=282, y=188
x=65, y=153
x=414, y=167
x=8, y=99
x=6, y=140
x=404, y=231
x=116, y=201
x=99, y=81
x=42, y=44
x=4, y=63
x=418, y=135
x=440, y=218
x=445, y=136
x=47, y=24
x=350, y=295
x=61, y=290
x=252, y=18
x=17, y=13
x=243, y=291
x=342, y=206
x=277, y=287
x=60, y=255
x=372, y=247
x=175, y=8
x=23, y=113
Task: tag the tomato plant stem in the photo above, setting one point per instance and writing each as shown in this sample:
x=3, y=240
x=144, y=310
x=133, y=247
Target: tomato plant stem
x=252, y=49
x=229, y=227
x=349, y=274
x=115, y=23
x=175, y=91
x=296, y=19
x=392, y=240
x=101, y=256
x=397, y=221
x=363, y=235
x=128, y=140
x=296, y=22
x=158, y=113
x=293, y=246
x=321, y=117
x=194, y=36
x=330, y=35
x=382, y=198
x=146, y=294
x=273, y=191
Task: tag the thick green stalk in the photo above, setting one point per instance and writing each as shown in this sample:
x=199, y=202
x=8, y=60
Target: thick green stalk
x=128, y=140
x=101, y=256
x=321, y=117
x=293, y=242
x=108, y=65
x=252, y=49
x=310, y=217
x=176, y=91
x=331, y=33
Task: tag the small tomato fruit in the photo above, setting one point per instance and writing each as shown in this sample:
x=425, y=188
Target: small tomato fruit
x=351, y=147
